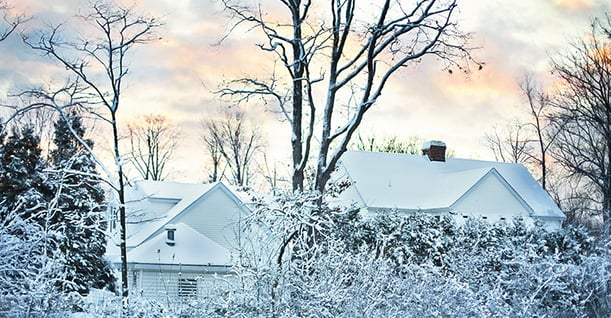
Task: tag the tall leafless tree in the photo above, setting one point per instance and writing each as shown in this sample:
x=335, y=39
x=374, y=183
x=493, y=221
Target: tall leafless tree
x=212, y=145
x=235, y=140
x=526, y=141
x=539, y=105
x=98, y=62
x=153, y=140
x=346, y=50
x=582, y=116
x=510, y=143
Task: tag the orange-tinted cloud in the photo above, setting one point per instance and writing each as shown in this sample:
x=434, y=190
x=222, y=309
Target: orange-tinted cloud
x=574, y=4
x=176, y=75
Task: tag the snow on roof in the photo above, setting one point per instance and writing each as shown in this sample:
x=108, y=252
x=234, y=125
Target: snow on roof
x=190, y=248
x=404, y=181
x=152, y=204
x=428, y=144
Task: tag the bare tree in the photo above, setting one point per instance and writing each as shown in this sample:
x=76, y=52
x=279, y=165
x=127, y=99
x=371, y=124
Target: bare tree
x=526, y=142
x=350, y=54
x=275, y=178
x=539, y=104
x=213, y=147
x=99, y=64
x=389, y=144
x=153, y=140
x=235, y=140
x=582, y=117
x=510, y=144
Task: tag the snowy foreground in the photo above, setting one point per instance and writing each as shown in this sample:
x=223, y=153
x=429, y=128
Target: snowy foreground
x=392, y=266
x=297, y=259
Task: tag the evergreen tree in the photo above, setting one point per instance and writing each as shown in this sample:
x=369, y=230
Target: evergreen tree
x=80, y=198
x=28, y=243
x=23, y=185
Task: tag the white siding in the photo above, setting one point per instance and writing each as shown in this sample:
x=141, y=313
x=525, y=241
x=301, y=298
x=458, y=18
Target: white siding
x=217, y=216
x=491, y=198
x=164, y=285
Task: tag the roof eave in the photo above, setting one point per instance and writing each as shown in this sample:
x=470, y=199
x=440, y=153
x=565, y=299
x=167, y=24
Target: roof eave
x=182, y=267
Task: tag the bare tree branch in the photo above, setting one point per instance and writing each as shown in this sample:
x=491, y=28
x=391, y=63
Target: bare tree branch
x=153, y=140
x=232, y=140
x=12, y=22
x=350, y=52
x=115, y=30
x=582, y=117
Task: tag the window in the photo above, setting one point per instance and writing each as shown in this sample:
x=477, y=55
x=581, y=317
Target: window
x=187, y=287
x=135, y=279
x=113, y=221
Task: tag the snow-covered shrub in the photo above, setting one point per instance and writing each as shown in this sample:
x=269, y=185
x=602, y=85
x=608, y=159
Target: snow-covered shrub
x=51, y=243
x=302, y=259
x=30, y=270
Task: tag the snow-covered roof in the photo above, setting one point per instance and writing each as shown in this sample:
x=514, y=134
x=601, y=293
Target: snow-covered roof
x=190, y=248
x=153, y=204
x=412, y=182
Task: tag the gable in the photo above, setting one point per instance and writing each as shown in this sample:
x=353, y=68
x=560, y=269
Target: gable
x=410, y=186
x=153, y=204
x=217, y=216
x=190, y=248
x=491, y=197
x=384, y=181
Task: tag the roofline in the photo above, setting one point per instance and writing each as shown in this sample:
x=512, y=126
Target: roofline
x=181, y=267
x=219, y=185
x=353, y=184
x=495, y=172
x=234, y=197
x=553, y=217
x=408, y=210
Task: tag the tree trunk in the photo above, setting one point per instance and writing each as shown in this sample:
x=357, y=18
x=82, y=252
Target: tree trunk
x=607, y=176
x=122, y=218
x=297, y=138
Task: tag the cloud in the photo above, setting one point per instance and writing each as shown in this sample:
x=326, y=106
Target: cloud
x=574, y=4
x=177, y=75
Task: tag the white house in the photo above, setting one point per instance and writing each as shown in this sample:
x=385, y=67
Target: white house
x=178, y=236
x=435, y=184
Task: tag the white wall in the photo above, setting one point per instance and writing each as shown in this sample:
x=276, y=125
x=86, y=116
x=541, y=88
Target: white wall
x=162, y=285
x=217, y=217
x=490, y=198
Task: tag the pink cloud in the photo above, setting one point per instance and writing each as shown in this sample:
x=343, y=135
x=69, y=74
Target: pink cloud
x=574, y=4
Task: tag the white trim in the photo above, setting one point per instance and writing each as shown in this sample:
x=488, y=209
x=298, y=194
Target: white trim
x=218, y=185
x=504, y=182
x=209, y=269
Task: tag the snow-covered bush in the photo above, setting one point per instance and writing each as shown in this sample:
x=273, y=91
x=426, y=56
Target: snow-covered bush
x=51, y=230
x=307, y=260
x=302, y=259
x=30, y=270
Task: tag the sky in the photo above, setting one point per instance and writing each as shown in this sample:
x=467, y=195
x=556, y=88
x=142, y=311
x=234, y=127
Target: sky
x=176, y=75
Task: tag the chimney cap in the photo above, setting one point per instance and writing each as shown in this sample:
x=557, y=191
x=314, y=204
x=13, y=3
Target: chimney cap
x=435, y=150
x=170, y=227
x=427, y=145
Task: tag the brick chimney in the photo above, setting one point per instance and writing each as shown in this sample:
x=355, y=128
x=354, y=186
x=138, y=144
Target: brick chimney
x=435, y=150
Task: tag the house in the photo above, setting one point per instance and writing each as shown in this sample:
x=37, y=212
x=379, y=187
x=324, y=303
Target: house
x=179, y=236
x=432, y=183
